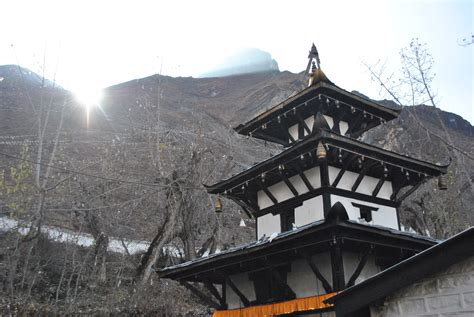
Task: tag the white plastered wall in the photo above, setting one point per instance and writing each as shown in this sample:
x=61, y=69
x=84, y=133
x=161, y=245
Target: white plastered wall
x=310, y=211
x=268, y=224
x=367, y=185
x=281, y=191
x=293, y=130
x=302, y=280
x=343, y=127
x=351, y=260
x=245, y=286
x=385, y=216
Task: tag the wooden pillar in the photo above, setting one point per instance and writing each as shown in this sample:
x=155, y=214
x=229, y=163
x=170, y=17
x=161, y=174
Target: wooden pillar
x=324, y=169
x=337, y=264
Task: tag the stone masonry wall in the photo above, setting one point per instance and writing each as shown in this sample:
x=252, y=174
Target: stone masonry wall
x=448, y=293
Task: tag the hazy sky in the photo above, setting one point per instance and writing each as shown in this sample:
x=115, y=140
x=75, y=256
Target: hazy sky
x=94, y=44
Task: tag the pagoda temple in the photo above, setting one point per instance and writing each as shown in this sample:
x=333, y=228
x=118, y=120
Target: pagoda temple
x=325, y=207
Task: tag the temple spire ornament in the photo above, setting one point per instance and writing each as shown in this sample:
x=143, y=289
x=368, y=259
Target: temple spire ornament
x=316, y=74
x=313, y=59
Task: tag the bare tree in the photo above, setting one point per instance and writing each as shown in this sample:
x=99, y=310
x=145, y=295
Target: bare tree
x=412, y=86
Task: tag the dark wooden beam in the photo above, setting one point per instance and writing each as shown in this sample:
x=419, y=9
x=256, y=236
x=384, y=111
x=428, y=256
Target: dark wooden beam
x=249, y=201
x=336, y=128
x=303, y=176
x=286, y=132
x=354, y=125
x=327, y=287
x=249, y=215
x=270, y=138
x=411, y=190
x=372, y=124
x=347, y=162
x=282, y=282
x=397, y=185
x=367, y=166
x=298, y=201
x=200, y=294
x=364, y=197
x=214, y=292
x=242, y=297
x=324, y=172
x=288, y=183
x=378, y=186
x=243, y=204
x=303, y=123
x=266, y=191
x=361, y=175
x=359, y=268
x=337, y=265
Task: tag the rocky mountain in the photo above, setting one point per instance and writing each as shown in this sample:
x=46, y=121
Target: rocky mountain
x=133, y=169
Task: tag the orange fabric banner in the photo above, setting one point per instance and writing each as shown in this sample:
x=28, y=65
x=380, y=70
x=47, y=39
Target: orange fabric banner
x=275, y=309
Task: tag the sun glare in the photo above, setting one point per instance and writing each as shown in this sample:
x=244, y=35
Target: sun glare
x=88, y=98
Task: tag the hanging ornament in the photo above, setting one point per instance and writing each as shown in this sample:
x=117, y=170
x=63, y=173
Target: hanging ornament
x=321, y=151
x=442, y=182
x=218, y=205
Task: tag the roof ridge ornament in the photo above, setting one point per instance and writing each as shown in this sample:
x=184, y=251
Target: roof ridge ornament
x=313, y=60
x=316, y=74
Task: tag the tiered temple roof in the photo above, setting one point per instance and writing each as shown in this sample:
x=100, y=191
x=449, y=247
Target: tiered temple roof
x=325, y=207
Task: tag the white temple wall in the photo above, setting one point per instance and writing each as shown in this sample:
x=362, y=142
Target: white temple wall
x=366, y=186
x=268, y=224
x=310, y=211
x=351, y=260
x=302, y=280
x=343, y=127
x=281, y=191
x=293, y=130
x=245, y=286
x=385, y=216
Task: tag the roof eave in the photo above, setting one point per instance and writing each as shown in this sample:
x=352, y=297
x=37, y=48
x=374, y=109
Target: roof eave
x=419, y=266
x=306, y=231
x=325, y=136
x=250, y=125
